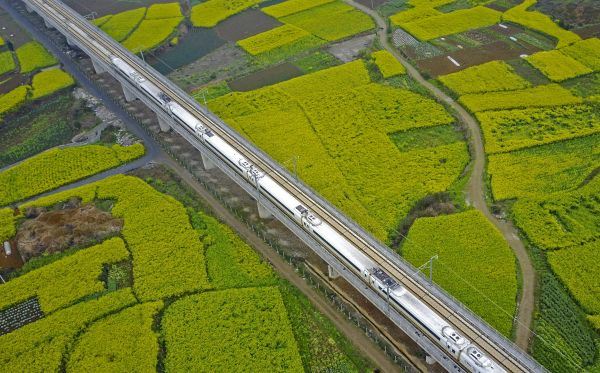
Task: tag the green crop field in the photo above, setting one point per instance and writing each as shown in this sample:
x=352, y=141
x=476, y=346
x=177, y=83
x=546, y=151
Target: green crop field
x=66, y=281
x=7, y=62
x=543, y=169
x=121, y=25
x=211, y=12
x=159, y=11
x=489, y=286
x=7, y=226
x=508, y=130
x=220, y=330
x=151, y=33
x=452, y=23
x=332, y=21
x=586, y=51
x=33, y=56
x=292, y=6
x=13, y=99
x=272, y=39
x=488, y=77
x=345, y=136
x=48, y=82
x=388, y=64
x=560, y=220
x=545, y=95
x=57, y=167
x=539, y=22
x=123, y=342
x=557, y=66
x=413, y=15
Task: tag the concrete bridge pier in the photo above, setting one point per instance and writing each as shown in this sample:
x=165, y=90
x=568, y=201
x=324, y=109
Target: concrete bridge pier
x=263, y=213
x=129, y=94
x=99, y=69
x=28, y=8
x=163, y=123
x=430, y=360
x=207, y=162
x=48, y=24
x=332, y=273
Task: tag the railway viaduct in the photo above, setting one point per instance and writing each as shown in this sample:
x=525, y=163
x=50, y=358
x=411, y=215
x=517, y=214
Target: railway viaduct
x=89, y=39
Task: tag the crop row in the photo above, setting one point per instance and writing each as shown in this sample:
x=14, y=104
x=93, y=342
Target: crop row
x=49, y=81
x=508, y=130
x=39, y=346
x=7, y=62
x=219, y=330
x=150, y=33
x=292, y=6
x=489, y=77
x=557, y=66
x=466, y=238
x=122, y=342
x=452, y=23
x=63, y=282
x=544, y=169
x=7, y=224
x=272, y=39
x=119, y=26
x=56, y=167
x=544, y=95
x=33, y=56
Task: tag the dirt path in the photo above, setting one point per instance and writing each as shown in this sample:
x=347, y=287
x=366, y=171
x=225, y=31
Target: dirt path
x=355, y=335
x=475, y=190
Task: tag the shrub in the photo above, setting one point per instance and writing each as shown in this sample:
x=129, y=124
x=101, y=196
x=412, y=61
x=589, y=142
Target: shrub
x=472, y=253
x=230, y=261
x=544, y=95
x=452, y=23
x=57, y=167
x=122, y=342
x=332, y=21
x=63, y=282
x=219, y=331
x=489, y=77
x=13, y=99
x=346, y=154
x=7, y=63
x=272, y=39
x=292, y=6
x=560, y=220
x=586, y=51
x=151, y=33
x=508, y=130
x=121, y=25
x=577, y=268
x=211, y=12
x=168, y=259
x=557, y=66
x=388, y=64
x=539, y=22
x=7, y=225
x=39, y=346
x=49, y=81
x=158, y=11
x=543, y=169
x=33, y=56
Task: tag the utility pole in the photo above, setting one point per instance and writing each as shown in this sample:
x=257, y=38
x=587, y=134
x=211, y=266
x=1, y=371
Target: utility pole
x=429, y=264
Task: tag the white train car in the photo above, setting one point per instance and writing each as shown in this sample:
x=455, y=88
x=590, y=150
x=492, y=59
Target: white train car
x=469, y=355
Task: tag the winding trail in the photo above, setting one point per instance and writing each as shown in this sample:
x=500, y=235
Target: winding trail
x=475, y=190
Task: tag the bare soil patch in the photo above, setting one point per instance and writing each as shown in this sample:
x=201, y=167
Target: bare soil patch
x=272, y=75
x=11, y=32
x=47, y=232
x=245, y=24
x=467, y=57
x=12, y=81
x=349, y=50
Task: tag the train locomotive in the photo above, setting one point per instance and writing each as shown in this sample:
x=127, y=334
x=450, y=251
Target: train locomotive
x=467, y=353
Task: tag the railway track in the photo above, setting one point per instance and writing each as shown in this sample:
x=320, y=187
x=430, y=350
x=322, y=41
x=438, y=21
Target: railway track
x=509, y=361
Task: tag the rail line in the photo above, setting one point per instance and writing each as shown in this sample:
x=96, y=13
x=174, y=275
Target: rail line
x=506, y=358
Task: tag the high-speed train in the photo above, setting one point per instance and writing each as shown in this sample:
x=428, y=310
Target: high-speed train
x=467, y=353
x=462, y=349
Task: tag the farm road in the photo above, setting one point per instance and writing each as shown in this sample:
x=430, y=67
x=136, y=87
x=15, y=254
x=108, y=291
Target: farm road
x=475, y=190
